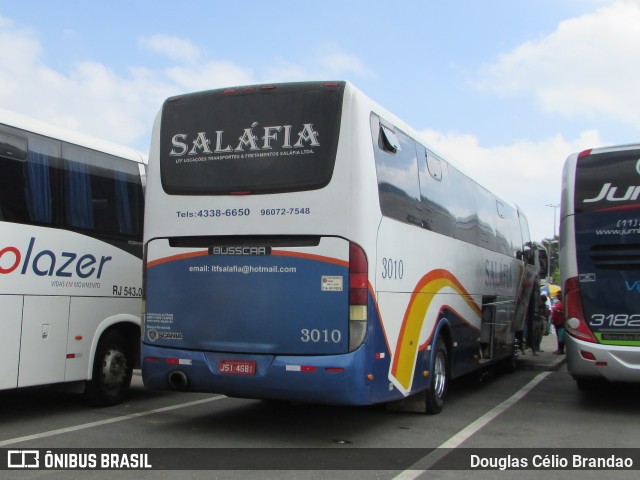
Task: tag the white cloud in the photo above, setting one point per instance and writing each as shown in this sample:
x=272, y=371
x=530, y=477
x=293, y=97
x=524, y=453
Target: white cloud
x=329, y=62
x=90, y=98
x=586, y=67
x=175, y=48
x=209, y=75
x=525, y=173
x=95, y=99
x=338, y=63
x=19, y=54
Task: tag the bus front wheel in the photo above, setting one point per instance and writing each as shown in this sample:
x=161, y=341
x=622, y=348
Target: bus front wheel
x=112, y=371
x=439, y=379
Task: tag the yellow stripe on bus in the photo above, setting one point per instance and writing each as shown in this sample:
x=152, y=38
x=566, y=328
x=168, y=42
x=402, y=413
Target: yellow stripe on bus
x=408, y=341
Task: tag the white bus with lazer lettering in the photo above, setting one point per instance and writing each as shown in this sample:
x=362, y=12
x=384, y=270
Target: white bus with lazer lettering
x=71, y=212
x=301, y=243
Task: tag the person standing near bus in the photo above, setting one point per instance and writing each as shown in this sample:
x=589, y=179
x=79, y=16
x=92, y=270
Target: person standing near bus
x=558, y=322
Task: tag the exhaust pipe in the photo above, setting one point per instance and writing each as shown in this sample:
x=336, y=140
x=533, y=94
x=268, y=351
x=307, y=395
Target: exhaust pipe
x=178, y=380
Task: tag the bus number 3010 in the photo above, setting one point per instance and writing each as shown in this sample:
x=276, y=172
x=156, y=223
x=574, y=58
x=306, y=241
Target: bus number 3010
x=320, y=336
x=392, y=269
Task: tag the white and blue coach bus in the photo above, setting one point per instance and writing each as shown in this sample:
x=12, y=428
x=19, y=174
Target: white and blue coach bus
x=71, y=211
x=600, y=264
x=301, y=243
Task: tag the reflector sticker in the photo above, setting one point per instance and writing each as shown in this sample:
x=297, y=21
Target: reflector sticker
x=300, y=368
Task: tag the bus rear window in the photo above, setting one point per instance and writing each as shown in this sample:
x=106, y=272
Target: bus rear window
x=250, y=140
x=608, y=181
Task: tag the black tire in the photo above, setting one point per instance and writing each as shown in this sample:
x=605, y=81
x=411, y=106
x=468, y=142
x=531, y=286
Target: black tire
x=112, y=371
x=439, y=379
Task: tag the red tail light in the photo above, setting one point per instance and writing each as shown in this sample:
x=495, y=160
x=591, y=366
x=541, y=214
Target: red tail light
x=358, y=295
x=575, y=322
x=358, y=276
x=585, y=153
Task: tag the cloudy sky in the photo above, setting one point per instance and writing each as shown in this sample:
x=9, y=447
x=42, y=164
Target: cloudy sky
x=507, y=88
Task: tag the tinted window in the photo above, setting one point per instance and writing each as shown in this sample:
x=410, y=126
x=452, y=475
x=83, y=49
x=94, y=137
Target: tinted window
x=607, y=180
x=435, y=190
x=516, y=235
x=397, y=170
x=259, y=140
x=486, y=211
x=506, y=222
x=416, y=186
x=463, y=206
x=13, y=148
x=101, y=193
x=29, y=178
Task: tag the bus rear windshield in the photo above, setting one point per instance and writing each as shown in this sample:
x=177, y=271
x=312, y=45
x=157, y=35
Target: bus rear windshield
x=608, y=181
x=250, y=140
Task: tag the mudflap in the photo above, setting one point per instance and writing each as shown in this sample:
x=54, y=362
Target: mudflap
x=416, y=403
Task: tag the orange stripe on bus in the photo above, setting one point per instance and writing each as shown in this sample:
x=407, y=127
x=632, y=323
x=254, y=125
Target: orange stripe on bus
x=414, y=318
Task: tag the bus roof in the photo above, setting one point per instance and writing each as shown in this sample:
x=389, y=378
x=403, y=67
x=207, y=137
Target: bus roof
x=39, y=127
x=609, y=149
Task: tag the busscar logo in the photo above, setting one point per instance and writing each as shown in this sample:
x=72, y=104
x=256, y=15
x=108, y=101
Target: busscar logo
x=23, y=459
x=240, y=250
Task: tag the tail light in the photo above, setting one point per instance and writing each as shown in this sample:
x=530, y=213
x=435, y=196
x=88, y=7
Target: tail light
x=358, y=296
x=575, y=322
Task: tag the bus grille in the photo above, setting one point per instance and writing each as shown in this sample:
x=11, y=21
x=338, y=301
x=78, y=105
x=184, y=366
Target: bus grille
x=616, y=257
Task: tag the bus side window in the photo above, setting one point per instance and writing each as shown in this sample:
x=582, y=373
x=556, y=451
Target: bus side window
x=389, y=139
x=486, y=213
x=463, y=207
x=28, y=179
x=506, y=215
x=13, y=157
x=397, y=170
x=102, y=193
x=435, y=191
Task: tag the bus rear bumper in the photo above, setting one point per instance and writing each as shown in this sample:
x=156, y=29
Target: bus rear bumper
x=591, y=361
x=334, y=379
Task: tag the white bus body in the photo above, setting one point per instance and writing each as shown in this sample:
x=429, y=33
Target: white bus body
x=71, y=211
x=302, y=244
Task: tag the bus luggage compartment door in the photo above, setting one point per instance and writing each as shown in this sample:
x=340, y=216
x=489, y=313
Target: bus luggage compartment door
x=252, y=297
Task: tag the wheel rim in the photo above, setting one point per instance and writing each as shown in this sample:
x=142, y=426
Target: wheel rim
x=114, y=370
x=439, y=375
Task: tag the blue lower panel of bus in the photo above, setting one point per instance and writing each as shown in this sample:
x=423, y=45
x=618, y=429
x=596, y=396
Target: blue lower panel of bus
x=336, y=379
x=282, y=303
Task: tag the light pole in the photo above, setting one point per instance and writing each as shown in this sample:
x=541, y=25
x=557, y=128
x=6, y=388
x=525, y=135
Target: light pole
x=554, y=218
x=548, y=249
x=552, y=240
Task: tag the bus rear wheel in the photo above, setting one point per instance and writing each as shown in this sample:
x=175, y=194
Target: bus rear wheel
x=439, y=379
x=112, y=371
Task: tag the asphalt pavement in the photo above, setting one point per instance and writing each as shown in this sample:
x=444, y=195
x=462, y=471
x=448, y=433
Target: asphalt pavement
x=544, y=360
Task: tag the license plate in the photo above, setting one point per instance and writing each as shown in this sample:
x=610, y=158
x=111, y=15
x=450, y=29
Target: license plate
x=237, y=367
